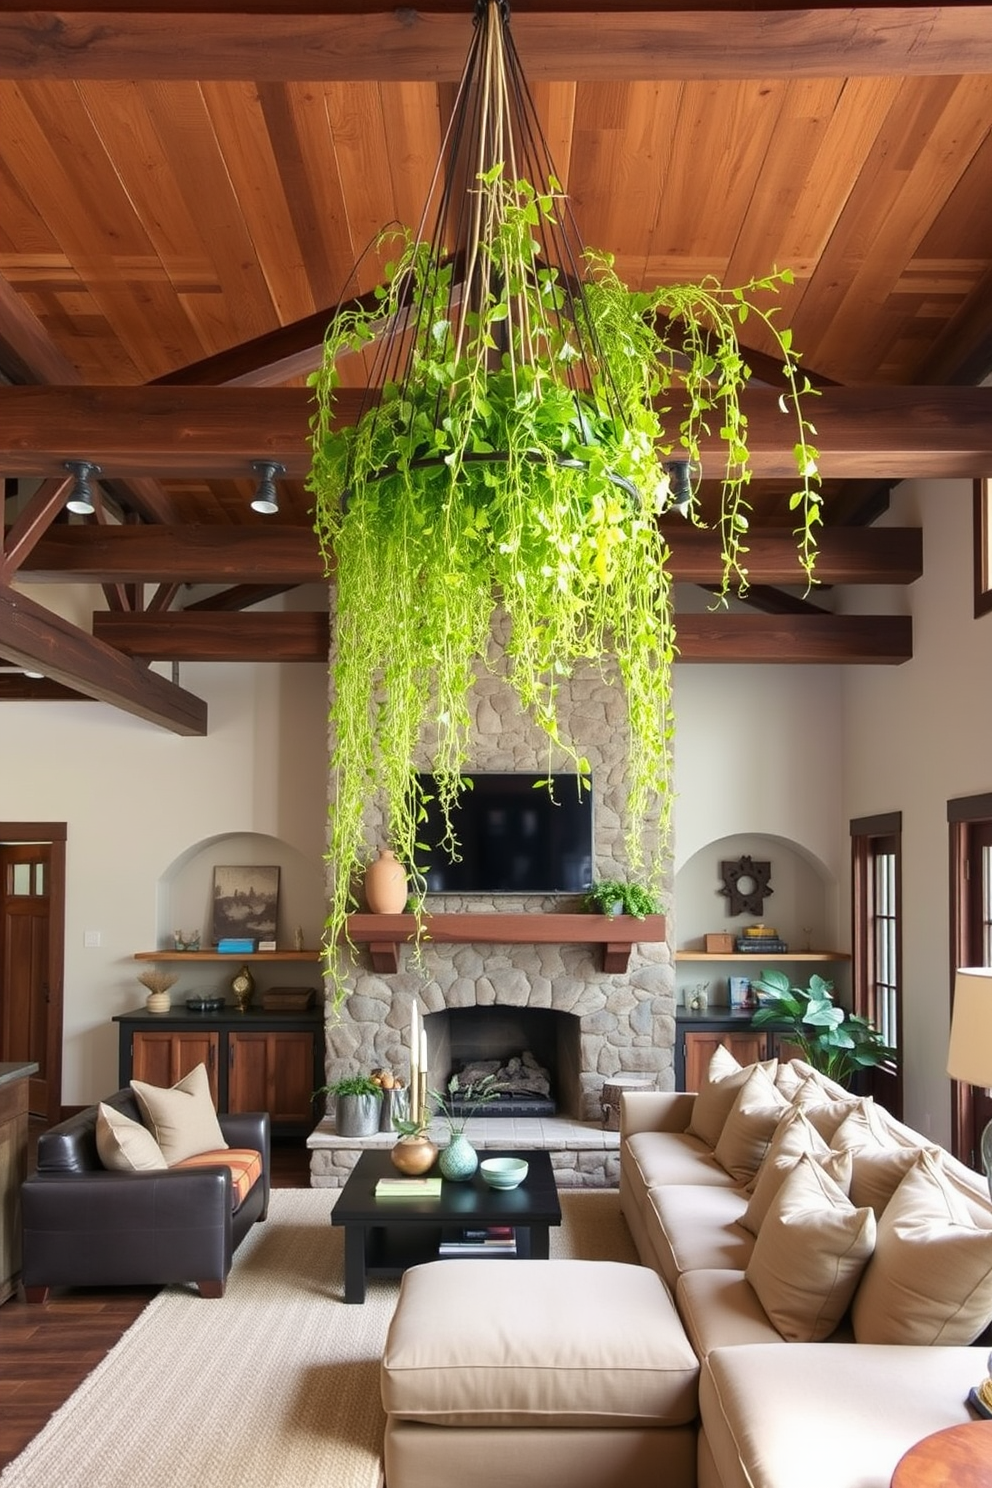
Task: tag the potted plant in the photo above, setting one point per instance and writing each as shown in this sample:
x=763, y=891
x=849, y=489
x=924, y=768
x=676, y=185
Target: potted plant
x=414, y=1152
x=609, y=896
x=356, y=1108
x=459, y=1159
x=508, y=473
x=838, y=1043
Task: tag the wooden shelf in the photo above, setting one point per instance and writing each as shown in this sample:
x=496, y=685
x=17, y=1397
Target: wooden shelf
x=770, y=956
x=384, y=934
x=230, y=956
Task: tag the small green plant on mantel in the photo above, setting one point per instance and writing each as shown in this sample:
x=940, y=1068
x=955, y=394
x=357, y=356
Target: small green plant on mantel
x=609, y=896
x=838, y=1043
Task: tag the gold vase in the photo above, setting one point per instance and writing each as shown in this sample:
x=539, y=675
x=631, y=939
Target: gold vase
x=414, y=1155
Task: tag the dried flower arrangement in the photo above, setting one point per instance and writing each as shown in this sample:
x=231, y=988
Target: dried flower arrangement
x=158, y=981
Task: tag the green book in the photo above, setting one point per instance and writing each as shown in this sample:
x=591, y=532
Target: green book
x=412, y=1188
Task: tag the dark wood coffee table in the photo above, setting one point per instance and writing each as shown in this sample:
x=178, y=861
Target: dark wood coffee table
x=382, y=1237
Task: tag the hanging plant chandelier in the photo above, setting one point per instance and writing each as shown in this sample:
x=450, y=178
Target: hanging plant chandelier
x=511, y=458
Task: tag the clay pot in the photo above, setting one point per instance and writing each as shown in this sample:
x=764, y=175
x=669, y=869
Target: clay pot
x=158, y=1002
x=386, y=890
x=414, y=1155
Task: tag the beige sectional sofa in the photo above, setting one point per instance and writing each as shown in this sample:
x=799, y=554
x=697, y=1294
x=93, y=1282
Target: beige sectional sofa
x=832, y=1270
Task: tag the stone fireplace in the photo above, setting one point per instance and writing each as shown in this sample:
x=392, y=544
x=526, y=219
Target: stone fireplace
x=597, y=1024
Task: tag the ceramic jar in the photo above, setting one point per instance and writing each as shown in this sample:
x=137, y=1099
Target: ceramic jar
x=459, y=1160
x=158, y=1002
x=386, y=890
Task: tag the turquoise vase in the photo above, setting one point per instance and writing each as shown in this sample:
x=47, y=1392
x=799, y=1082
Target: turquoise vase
x=459, y=1160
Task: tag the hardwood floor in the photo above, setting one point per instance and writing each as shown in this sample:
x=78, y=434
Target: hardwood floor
x=46, y=1352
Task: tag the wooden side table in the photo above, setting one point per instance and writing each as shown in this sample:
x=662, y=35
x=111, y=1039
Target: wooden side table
x=960, y=1457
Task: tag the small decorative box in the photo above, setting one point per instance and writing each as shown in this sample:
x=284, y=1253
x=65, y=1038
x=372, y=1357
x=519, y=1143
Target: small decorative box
x=721, y=944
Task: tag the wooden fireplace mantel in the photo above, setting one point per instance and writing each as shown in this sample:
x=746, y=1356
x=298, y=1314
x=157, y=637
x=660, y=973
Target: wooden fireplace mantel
x=385, y=933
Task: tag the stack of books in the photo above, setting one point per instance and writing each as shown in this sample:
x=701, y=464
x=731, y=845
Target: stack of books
x=408, y=1188
x=486, y=1240
x=761, y=945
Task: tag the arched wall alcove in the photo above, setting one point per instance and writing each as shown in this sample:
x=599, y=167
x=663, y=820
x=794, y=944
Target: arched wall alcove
x=802, y=908
x=184, y=896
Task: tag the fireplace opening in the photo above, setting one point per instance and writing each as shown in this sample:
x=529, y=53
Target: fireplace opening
x=534, y=1053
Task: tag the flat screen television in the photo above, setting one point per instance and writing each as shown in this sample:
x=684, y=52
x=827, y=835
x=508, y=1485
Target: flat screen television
x=515, y=837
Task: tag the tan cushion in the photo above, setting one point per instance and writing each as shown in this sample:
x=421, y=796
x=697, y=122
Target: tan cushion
x=876, y=1173
x=862, y=1127
x=652, y=1158
x=793, y=1136
x=719, y=1308
x=788, y=1079
x=810, y=1252
x=183, y=1119
x=810, y=1417
x=694, y=1227
x=930, y=1280
x=826, y=1112
x=750, y=1125
x=718, y=1092
x=125, y=1146
x=537, y=1343
x=832, y=1088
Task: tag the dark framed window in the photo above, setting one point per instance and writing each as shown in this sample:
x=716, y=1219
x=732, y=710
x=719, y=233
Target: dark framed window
x=876, y=909
x=969, y=821
x=983, y=545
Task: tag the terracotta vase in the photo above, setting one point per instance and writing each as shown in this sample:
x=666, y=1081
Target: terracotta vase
x=386, y=888
x=414, y=1155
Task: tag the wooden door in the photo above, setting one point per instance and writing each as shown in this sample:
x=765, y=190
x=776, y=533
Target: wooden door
x=747, y=1048
x=32, y=890
x=163, y=1057
x=272, y=1072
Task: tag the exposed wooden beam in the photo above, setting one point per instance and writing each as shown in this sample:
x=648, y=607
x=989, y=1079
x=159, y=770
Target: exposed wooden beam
x=16, y=688
x=806, y=639
x=36, y=638
x=281, y=557
x=724, y=637
x=240, y=597
x=31, y=525
x=212, y=635
x=27, y=351
x=574, y=42
x=883, y=432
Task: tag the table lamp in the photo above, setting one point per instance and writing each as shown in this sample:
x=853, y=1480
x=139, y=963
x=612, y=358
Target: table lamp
x=969, y=1057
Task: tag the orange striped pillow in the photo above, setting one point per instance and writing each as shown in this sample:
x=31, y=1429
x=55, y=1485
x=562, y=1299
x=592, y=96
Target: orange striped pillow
x=245, y=1166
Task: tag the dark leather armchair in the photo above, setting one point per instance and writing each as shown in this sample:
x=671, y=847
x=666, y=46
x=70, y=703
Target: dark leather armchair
x=85, y=1226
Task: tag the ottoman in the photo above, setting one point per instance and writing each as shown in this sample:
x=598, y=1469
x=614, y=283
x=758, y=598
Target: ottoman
x=529, y=1373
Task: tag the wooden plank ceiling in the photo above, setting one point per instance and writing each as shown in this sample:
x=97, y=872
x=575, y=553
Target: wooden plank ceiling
x=183, y=201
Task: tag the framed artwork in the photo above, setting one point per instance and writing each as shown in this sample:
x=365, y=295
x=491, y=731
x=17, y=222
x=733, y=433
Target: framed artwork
x=742, y=993
x=246, y=902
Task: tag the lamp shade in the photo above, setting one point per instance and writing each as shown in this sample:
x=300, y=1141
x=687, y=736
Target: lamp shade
x=969, y=1057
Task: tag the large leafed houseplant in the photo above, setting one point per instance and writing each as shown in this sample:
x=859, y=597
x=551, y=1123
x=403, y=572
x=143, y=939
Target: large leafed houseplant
x=516, y=466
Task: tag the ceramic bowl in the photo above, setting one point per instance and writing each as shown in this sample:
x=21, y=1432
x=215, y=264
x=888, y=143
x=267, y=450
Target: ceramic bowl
x=503, y=1172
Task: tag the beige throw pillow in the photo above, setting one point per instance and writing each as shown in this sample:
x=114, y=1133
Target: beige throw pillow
x=793, y=1136
x=182, y=1119
x=750, y=1125
x=876, y=1173
x=826, y=1112
x=718, y=1092
x=811, y=1250
x=930, y=1279
x=125, y=1146
x=831, y=1088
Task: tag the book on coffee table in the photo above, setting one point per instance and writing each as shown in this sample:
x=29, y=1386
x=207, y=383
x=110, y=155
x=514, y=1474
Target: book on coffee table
x=489, y=1240
x=408, y=1188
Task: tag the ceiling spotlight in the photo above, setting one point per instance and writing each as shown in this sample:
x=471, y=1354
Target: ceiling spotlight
x=81, y=496
x=679, y=474
x=35, y=676
x=266, y=498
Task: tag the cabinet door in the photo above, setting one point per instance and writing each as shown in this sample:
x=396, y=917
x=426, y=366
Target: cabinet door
x=272, y=1072
x=746, y=1048
x=163, y=1058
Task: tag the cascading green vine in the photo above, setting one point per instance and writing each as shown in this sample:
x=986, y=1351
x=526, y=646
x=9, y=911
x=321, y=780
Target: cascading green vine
x=495, y=477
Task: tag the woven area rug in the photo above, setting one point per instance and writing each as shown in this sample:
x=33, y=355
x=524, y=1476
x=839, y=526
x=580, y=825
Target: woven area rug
x=275, y=1385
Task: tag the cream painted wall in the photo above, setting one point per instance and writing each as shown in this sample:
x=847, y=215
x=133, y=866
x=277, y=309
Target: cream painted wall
x=917, y=736
x=136, y=798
